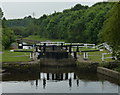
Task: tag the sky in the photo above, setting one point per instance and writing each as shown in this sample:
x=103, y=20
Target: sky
x=20, y=8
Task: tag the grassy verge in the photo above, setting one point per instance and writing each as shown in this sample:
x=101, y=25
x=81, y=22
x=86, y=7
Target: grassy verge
x=111, y=65
x=37, y=38
x=8, y=56
x=96, y=56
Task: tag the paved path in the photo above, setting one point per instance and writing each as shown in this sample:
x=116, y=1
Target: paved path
x=80, y=59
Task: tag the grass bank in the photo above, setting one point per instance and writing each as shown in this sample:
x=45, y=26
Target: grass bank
x=37, y=38
x=8, y=56
x=95, y=56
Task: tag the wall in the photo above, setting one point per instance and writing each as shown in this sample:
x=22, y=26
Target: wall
x=108, y=72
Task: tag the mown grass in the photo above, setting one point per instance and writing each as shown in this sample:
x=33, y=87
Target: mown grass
x=0, y=57
x=96, y=56
x=8, y=56
x=37, y=38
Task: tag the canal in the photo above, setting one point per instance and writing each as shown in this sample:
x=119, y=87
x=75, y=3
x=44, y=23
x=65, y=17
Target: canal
x=58, y=80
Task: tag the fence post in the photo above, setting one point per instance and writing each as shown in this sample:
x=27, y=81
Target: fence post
x=77, y=50
x=85, y=55
x=31, y=55
x=102, y=57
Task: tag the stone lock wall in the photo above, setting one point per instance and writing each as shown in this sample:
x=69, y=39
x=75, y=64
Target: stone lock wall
x=108, y=72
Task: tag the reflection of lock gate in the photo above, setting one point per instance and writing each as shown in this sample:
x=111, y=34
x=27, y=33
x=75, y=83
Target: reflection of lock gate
x=58, y=77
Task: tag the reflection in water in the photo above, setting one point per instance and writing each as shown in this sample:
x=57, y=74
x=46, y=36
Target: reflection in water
x=77, y=82
x=59, y=80
x=57, y=77
x=32, y=83
x=44, y=83
x=48, y=76
x=74, y=76
x=36, y=83
x=70, y=82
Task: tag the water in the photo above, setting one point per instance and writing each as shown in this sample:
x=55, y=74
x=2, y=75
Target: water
x=58, y=80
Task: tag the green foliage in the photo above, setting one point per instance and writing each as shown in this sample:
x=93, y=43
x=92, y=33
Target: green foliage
x=111, y=65
x=111, y=33
x=19, y=22
x=7, y=37
x=78, y=7
x=1, y=13
x=37, y=38
x=21, y=27
x=19, y=30
x=6, y=33
x=78, y=24
x=117, y=68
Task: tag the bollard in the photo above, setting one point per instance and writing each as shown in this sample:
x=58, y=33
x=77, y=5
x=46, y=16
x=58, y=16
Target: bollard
x=85, y=55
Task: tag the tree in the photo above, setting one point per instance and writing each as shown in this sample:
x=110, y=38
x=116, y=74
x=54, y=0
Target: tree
x=7, y=37
x=7, y=33
x=78, y=7
x=111, y=29
x=1, y=13
x=78, y=24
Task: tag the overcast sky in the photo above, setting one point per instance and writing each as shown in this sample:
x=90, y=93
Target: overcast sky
x=20, y=8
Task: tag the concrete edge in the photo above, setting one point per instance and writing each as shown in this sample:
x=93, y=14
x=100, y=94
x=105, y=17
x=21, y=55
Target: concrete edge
x=108, y=72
